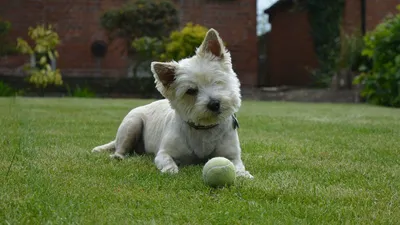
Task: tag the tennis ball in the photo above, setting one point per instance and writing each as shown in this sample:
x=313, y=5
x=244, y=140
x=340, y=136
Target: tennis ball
x=218, y=172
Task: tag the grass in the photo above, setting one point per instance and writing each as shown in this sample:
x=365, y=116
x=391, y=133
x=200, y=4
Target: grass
x=313, y=164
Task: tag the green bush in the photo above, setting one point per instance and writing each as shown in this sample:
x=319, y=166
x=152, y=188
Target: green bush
x=380, y=80
x=350, y=57
x=6, y=90
x=79, y=92
x=325, y=35
x=182, y=44
x=153, y=18
x=147, y=49
x=178, y=45
x=46, y=40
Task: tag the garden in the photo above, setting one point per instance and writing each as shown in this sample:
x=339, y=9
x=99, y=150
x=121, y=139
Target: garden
x=312, y=163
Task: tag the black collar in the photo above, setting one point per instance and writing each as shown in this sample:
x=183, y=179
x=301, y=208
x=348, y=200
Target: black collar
x=235, y=124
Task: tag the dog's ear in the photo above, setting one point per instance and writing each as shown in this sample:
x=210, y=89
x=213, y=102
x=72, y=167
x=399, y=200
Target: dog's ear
x=213, y=44
x=164, y=72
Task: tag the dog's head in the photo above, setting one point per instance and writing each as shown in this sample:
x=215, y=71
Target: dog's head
x=202, y=89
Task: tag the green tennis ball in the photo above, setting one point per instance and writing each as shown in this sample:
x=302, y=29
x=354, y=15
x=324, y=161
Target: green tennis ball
x=219, y=172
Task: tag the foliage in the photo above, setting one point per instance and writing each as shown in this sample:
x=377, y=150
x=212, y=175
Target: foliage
x=146, y=49
x=135, y=19
x=6, y=90
x=138, y=86
x=80, y=92
x=350, y=57
x=182, y=44
x=325, y=18
x=6, y=47
x=381, y=79
x=46, y=40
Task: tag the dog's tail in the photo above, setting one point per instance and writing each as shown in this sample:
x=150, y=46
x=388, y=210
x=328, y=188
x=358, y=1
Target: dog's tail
x=106, y=147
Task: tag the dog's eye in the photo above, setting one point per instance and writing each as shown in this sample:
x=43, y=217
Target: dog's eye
x=192, y=91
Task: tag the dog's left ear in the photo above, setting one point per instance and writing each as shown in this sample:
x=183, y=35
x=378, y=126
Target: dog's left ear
x=213, y=44
x=164, y=72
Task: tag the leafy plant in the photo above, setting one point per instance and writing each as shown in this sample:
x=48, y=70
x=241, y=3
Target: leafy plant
x=350, y=57
x=381, y=79
x=6, y=47
x=182, y=44
x=325, y=35
x=80, y=92
x=44, y=50
x=140, y=18
x=6, y=90
x=147, y=49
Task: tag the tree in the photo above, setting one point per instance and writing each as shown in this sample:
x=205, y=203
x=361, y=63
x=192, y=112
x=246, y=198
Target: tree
x=151, y=18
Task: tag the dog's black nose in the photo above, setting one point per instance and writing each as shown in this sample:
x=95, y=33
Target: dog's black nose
x=213, y=105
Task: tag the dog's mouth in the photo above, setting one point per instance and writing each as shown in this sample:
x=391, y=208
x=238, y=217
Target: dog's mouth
x=211, y=118
x=201, y=127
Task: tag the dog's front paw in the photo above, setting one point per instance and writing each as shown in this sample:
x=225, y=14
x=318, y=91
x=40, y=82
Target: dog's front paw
x=171, y=169
x=244, y=174
x=97, y=149
x=117, y=156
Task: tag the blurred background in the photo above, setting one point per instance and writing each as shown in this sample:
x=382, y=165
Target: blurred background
x=306, y=50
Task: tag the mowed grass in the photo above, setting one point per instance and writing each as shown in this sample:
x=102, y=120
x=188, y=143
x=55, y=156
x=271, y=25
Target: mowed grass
x=312, y=163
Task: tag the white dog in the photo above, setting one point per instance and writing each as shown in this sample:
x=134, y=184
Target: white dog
x=196, y=120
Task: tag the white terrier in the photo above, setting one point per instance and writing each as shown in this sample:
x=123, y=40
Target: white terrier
x=196, y=120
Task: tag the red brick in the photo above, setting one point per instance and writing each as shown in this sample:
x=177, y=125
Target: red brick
x=376, y=11
x=290, y=51
x=77, y=22
x=290, y=48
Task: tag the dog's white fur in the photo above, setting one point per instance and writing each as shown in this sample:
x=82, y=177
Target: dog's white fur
x=163, y=127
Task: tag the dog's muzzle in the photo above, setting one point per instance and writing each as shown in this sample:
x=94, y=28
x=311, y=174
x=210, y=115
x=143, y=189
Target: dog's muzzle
x=214, y=105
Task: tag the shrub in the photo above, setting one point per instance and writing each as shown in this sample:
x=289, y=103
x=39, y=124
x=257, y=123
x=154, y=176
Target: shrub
x=143, y=24
x=381, y=79
x=152, y=18
x=182, y=44
x=41, y=73
x=80, y=92
x=147, y=49
x=6, y=90
x=350, y=57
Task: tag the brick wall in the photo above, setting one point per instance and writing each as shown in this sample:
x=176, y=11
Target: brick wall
x=77, y=22
x=352, y=16
x=376, y=10
x=289, y=45
x=290, y=51
x=235, y=20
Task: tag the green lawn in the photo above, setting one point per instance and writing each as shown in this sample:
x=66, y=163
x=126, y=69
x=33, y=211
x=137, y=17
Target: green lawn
x=312, y=163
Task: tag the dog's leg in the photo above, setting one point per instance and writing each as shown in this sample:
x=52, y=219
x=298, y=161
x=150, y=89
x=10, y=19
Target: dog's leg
x=128, y=134
x=230, y=149
x=165, y=162
x=240, y=170
x=106, y=147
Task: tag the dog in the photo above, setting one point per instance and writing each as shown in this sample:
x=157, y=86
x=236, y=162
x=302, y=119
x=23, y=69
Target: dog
x=196, y=120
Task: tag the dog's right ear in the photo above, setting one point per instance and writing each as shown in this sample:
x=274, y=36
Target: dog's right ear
x=164, y=72
x=212, y=44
